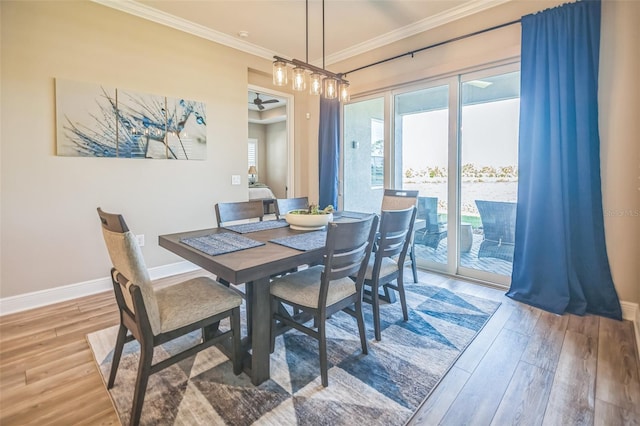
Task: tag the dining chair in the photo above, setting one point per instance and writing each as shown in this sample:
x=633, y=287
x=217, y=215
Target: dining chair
x=320, y=291
x=398, y=199
x=285, y=205
x=153, y=317
x=242, y=210
x=387, y=263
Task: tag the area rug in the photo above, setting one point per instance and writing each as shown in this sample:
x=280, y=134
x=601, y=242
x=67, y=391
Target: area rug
x=382, y=388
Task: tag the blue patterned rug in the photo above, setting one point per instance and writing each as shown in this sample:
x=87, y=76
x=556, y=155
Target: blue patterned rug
x=382, y=388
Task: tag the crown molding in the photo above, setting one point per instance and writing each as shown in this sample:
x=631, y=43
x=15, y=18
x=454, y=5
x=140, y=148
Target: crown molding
x=146, y=12
x=462, y=11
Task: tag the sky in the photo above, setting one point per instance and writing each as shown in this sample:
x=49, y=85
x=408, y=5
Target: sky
x=489, y=136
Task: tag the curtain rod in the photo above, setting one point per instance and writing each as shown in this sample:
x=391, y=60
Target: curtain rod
x=413, y=52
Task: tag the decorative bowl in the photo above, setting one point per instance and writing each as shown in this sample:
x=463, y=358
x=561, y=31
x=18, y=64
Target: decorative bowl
x=301, y=220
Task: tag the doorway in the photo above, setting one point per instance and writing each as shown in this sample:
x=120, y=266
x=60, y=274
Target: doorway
x=270, y=144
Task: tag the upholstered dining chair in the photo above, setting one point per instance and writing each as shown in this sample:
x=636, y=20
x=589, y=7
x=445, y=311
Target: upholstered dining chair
x=399, y=199
x=153, y=317
x=285, y=205
x=387, y=263
x=320, y=291
x=242, y=210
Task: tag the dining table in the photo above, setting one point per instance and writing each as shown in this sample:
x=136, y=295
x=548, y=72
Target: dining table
x=253, y=266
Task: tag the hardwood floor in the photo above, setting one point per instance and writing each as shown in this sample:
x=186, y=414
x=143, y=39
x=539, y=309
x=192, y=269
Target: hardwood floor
x=525, y=367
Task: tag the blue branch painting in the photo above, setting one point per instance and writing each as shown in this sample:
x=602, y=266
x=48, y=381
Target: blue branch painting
x=98, y=121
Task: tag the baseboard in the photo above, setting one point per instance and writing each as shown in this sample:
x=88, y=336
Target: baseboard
x=36, y=299
x=631, y=312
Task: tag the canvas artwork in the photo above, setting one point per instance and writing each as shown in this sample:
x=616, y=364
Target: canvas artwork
x=100, y=121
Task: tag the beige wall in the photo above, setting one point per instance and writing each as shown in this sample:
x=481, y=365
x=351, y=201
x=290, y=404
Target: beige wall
x=277, y=155
x=619, y=103
x=50, y=231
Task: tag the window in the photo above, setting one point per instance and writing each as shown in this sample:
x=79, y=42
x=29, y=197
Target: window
x=253, y=153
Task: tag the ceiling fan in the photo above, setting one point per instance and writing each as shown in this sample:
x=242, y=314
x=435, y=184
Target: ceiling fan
x=258, y=102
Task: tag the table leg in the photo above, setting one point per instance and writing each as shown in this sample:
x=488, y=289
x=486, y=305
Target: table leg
x=260, y=330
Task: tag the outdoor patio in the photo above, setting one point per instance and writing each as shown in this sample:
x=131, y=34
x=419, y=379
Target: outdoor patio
x=469, y=260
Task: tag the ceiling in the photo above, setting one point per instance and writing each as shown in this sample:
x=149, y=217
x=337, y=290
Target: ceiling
x=273, y=112
x=277, y=27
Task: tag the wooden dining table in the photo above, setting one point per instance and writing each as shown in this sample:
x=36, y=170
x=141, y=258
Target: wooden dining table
x=253, y=266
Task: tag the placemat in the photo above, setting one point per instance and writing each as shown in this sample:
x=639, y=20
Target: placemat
x=245, y=228
x=304, y=242
x=215, y=244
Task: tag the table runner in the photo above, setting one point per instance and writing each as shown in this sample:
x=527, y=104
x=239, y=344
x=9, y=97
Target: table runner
x=245, y=228
x=304, y=242
x=215, y=244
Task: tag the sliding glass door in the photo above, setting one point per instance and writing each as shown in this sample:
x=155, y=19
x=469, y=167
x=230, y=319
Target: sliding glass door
x=421, y=139
x=490, y=109
x=455, y=141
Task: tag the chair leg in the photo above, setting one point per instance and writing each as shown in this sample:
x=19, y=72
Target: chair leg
x=412, y=256
x=361, y=328
x=117, y=352
x=237, y=348
x=274, y=309
x=248, y=298
x=375, y=303
x=322, y=334
x=144, y=370
x=403, y=297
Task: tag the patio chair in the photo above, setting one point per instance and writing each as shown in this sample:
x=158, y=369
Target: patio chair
x=433, y=231
x=499, y=228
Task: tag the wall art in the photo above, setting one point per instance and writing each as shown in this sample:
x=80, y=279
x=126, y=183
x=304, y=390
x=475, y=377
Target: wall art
x=100, y=121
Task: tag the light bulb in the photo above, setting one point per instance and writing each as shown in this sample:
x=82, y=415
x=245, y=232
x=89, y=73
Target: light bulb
x=279, y=73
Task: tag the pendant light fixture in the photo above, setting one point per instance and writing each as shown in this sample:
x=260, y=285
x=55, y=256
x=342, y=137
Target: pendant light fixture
x=320, y=81
x=279, y=73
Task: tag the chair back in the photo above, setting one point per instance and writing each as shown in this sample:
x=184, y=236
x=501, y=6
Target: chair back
x=395, y=228
x=498, y=220
x=347, y=250
x=231, y=212
x=128, y=262
x=285, y=205
x=398, y=199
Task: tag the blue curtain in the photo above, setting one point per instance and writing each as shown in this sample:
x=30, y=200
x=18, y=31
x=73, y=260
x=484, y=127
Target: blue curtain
x=329, y=151
x=560, y=260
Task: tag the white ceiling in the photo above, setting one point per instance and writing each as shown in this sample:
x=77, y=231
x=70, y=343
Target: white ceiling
x=273, y=112
x=277, y=27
